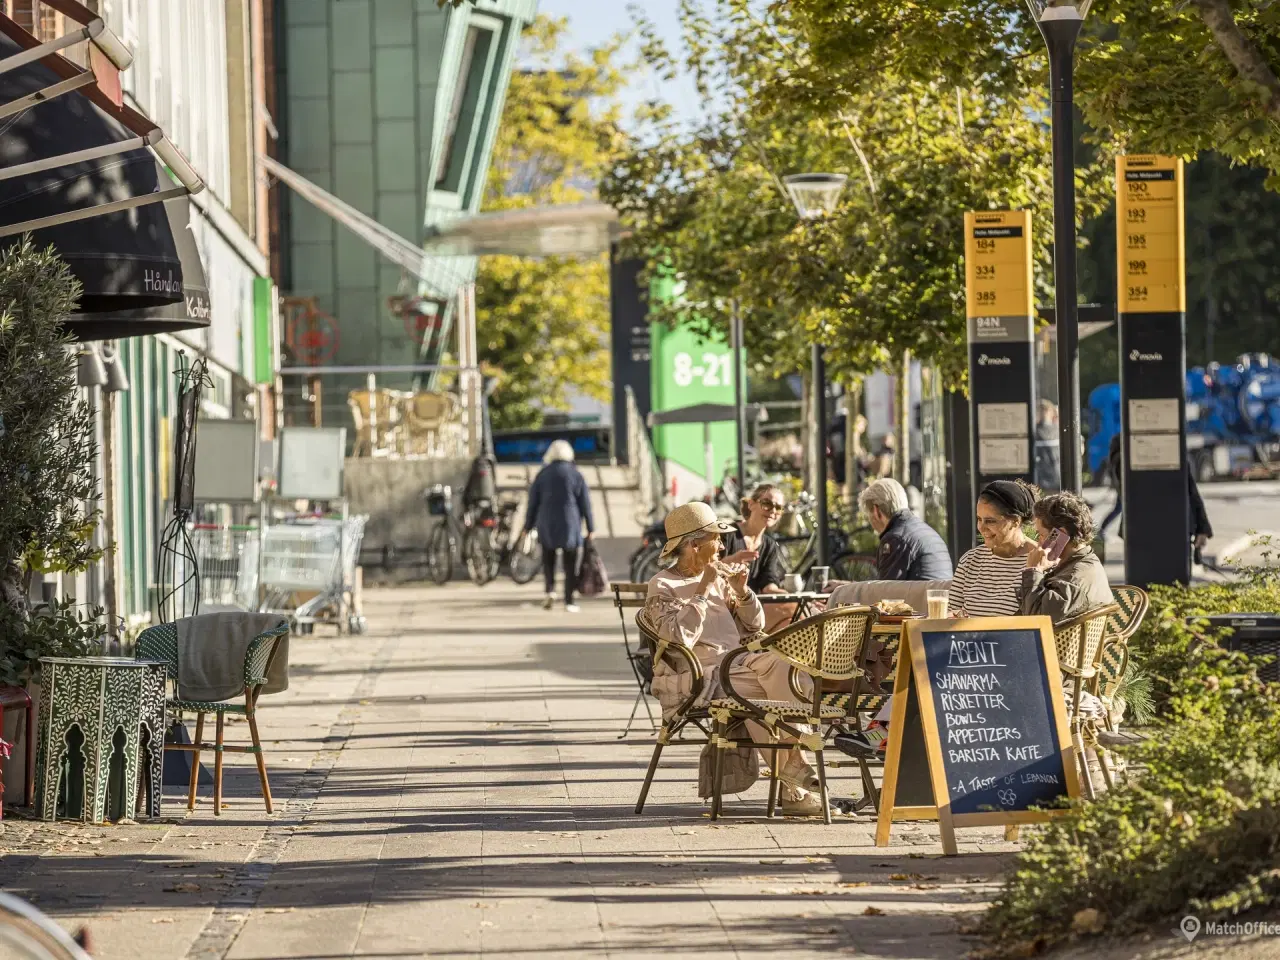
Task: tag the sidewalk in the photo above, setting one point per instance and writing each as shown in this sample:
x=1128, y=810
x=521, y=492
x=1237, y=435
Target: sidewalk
x=450, y=785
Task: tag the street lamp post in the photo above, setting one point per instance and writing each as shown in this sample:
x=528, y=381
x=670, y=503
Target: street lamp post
x=1060, y=22
x=816, y=195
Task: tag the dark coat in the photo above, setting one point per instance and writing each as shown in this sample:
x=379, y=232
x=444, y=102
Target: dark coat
x=910, y=549
x=1073, y=587
x=1199, y=517
x=558, y=503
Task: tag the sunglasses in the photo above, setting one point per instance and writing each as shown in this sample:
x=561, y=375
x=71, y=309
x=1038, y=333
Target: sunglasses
x=771, y=505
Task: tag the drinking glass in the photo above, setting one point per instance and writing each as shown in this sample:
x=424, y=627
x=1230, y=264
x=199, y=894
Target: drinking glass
x=937, y=600
x=818, y=577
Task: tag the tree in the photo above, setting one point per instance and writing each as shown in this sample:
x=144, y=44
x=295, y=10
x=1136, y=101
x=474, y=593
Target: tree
x=884, y=273
x=47, y=448
x=1154, y=75
x=544, y=324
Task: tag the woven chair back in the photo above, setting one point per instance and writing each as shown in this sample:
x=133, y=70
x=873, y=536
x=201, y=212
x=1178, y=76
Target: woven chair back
x=1079, y=639
x=829, y=645
x=1132, y=603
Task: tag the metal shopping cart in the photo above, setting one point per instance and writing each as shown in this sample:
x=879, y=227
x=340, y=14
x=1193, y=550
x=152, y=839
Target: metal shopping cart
x=315, y=558
x=227, y=560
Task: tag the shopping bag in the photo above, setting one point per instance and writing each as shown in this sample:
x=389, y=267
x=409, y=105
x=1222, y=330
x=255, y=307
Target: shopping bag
x=593, y=580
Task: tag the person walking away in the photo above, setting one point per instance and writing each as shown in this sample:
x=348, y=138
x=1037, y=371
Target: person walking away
x=1048, y=472
x=909, y=549
x=1115, y=473
x=559, y=504
x=1201, y=528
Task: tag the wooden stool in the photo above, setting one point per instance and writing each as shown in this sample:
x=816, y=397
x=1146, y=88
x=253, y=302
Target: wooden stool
x=18, y=697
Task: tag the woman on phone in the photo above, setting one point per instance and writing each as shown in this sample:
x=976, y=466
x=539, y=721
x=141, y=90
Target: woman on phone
x=1063, y=576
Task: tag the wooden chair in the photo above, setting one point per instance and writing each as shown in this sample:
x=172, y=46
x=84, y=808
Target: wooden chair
x=161, y=643
x=631, y=596
x=358, y=403
x=690, y=712
x=1078, y=642
x=831, y=645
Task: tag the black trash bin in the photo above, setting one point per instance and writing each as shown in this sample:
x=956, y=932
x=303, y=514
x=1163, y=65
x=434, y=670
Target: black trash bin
x=1254, y=634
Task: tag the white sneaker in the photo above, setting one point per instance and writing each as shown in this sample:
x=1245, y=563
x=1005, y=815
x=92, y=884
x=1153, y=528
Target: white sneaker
x=548, y=601
x=799, y=773
x=806, y=805
x=572, y=608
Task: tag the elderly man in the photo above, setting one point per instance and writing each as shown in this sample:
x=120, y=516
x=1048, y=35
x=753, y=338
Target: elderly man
x=910, y=549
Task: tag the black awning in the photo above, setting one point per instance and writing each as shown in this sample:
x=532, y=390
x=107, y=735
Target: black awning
x=125, y=260
x=191, y=312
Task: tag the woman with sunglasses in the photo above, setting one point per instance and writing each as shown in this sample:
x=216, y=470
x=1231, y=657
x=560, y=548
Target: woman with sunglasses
x=751, y=543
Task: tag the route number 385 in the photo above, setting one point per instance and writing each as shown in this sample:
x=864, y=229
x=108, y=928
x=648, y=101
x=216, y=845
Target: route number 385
x=716, y=370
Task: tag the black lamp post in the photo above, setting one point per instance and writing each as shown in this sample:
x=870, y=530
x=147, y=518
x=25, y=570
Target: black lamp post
x=816, y=195
x=1060, y=22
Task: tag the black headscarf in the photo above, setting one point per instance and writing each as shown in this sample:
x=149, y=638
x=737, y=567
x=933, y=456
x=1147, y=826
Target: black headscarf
x=1014, y=498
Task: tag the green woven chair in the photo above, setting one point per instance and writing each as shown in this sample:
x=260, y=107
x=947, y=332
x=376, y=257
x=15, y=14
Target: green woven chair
x=161, y=643
x=1132, y=604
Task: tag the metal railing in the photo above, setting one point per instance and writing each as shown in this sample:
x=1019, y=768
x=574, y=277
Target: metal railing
x=644, y=464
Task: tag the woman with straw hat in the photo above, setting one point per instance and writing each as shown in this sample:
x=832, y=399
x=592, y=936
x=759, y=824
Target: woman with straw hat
x=707, y=606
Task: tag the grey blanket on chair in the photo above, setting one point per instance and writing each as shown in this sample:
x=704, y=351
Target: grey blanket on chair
x=211, y=652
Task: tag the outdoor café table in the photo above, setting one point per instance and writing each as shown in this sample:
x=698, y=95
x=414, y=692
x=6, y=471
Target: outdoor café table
x=804, y=601
x=104, y=697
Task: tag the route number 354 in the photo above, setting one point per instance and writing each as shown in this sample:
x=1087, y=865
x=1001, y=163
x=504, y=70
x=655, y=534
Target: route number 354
x=716, y=370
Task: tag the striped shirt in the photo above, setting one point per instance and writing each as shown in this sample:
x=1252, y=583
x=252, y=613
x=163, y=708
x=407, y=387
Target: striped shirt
x=985, y=585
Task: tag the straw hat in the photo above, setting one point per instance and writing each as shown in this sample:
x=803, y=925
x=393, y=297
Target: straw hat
x=690, y=520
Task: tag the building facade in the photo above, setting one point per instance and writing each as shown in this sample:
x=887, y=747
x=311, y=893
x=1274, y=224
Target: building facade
x=392, y=106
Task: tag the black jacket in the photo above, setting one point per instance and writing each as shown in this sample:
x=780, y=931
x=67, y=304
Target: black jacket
x=768, y=569
x=1195, y=503
x=910, y=549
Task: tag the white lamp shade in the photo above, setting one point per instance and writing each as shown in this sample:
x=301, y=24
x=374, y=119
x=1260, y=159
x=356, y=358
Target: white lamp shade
x=815, y=194
x=117, y=379
x=89, y=369
x=1059, y=9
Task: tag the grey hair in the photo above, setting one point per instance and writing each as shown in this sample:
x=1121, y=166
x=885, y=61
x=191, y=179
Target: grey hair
x=559, y=450
x=887, y=494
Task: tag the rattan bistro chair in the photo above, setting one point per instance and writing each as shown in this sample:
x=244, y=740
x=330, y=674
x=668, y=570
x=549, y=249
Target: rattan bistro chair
x=1113, y=663
x=1078, y=642
x=631, y=596
x=690, y=712
x=829, y=646
x=161, y=643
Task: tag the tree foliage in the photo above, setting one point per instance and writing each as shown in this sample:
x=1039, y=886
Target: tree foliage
x=47, y=443
x=882, y=274
x=544, y=324
x=1167, y=76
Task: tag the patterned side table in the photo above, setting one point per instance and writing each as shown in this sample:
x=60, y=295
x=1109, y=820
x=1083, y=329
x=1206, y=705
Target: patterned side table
x=106, y=699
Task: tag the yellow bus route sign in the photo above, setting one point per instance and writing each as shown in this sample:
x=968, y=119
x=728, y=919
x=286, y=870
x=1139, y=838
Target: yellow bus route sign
x=1150, y=235
x=999, y=298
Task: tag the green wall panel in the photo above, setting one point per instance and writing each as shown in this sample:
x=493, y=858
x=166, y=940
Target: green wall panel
x=353, y=107
x=353, y=23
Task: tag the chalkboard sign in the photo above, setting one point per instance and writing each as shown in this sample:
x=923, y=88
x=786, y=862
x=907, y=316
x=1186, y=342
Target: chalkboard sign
x=979, y=704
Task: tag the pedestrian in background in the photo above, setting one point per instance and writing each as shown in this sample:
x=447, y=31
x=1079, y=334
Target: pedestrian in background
x=1048, y=472
x=559, y=504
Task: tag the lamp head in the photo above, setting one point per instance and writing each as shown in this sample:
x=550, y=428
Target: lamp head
x=89, y=369
x=1044, y=10
x=815, y=194
x=117, y=379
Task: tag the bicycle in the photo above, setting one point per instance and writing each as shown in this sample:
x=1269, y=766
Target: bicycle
x=446, y=543
x=489, y=546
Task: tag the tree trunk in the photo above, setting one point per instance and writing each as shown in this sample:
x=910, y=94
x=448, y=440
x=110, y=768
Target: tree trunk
x=1240, y=51
x=852, y=439
x=902, y=454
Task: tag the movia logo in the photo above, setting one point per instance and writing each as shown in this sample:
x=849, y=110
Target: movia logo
x=1137, y=356
x=986, y=361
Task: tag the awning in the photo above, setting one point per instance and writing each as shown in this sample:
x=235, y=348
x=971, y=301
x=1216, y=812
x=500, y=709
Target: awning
x=570, y=230
x=192, y=312
x=79, y=170
x=707, y=413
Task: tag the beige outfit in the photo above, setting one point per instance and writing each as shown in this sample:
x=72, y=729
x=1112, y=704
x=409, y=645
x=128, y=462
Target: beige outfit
x=711, y=626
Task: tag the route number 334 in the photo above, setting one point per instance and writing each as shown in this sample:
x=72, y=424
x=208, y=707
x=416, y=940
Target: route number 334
x=716, y=370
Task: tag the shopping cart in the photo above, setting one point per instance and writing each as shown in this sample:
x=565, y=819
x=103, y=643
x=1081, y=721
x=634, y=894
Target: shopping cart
x=227, y=560
x=316, y=558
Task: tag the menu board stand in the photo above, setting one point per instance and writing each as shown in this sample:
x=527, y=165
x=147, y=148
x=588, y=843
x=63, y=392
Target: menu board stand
x=978, y=721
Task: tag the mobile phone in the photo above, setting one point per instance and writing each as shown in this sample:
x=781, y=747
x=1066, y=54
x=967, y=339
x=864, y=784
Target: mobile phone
x=1056, y=543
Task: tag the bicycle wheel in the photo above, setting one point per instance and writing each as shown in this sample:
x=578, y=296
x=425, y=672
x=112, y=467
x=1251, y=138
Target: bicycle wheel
x=854, y=566
x=480, y=557
x=645, y=565
x=526, y=559
x=440, y=550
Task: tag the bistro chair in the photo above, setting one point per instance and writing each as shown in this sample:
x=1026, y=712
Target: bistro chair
x=631, y=596
x=1078, y=642
x=690, y=712
x=1113, y=664
x=831, y=645
x=161, y=643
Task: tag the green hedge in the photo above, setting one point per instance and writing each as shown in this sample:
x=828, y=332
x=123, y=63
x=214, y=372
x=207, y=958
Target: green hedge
x=1199, y=830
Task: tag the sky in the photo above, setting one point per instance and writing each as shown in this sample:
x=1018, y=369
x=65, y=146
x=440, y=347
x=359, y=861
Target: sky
x=593, y=22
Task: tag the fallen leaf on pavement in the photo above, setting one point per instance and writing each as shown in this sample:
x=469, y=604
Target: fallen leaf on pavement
x=162, y=920
x=279, y=910
x=873, y=912
x=183, y=888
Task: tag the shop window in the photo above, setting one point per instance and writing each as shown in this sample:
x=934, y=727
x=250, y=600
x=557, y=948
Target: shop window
x=466, y=109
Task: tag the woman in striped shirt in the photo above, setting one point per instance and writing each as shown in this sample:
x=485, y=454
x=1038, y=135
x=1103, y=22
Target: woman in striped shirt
x=988, y=577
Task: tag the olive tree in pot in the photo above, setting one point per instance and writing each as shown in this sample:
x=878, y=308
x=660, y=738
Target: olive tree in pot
x=48, y=495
